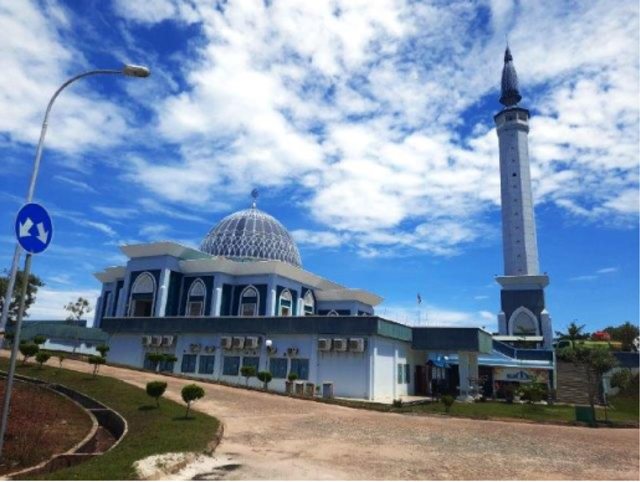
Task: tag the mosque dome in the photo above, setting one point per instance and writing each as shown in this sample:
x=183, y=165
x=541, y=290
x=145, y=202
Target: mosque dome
x=250, y=235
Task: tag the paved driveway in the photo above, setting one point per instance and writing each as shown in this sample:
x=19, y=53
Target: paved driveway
x=274, y=437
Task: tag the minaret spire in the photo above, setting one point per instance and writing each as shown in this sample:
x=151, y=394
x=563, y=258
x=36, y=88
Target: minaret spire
x=510, y=94
x=254, y=196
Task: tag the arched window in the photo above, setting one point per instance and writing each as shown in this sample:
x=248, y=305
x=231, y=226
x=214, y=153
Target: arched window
x=523, y=322
x=196, y=298
x=285, y=303
x=249, y=302
x=333, y=313
x=308, y=304
x=143, y=294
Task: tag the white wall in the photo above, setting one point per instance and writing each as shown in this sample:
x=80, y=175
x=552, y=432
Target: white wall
x=388, y=354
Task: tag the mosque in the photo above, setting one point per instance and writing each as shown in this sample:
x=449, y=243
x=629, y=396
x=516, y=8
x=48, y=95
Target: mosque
x=244, y=299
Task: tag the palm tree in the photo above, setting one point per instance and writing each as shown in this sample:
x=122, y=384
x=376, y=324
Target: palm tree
x=573, y=333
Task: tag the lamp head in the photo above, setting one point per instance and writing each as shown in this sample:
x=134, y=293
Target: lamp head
x=136, y=71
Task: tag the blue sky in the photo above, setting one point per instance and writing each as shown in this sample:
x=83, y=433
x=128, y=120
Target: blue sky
x=366, y=126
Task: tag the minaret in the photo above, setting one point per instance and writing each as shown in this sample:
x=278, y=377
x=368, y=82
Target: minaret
x=522, y=294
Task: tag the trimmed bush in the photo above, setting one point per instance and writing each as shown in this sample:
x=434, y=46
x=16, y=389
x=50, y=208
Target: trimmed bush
x=397, y=403
x=156, y=389
x=533, y=391
x=448, y=401
x=28, y=350
x=191, y=393
x=292, y=377
x=265, y=377
x=39, y=340
x=103, y=350
x=61, y=357
x=42, y=357
x=96, y=361
x=248, y=372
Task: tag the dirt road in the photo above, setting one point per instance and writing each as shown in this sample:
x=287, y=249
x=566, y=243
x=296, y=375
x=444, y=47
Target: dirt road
x=274, y=437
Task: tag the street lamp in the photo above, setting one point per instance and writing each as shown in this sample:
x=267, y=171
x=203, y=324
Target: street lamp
x=127, y=70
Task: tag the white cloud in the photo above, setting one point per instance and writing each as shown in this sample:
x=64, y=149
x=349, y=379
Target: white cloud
x=319, y=239
x=74, y=183
x=611, y=269
x=359, y=104
x=49, y=303
x=429, y=315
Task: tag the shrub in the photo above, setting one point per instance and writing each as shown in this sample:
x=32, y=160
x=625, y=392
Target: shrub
x=621, y=379
x=510, y=392
x=155, y=390
x=28, y=350
x=248, y=372
x=42, y=358
x=533, y=391
x=39, y=339
x=448, y=401
x=96, y=361
x=397, y=403
x=103, y=350
x=191, y=393
x=61, y=357
x=292, y=377
x=265, y=377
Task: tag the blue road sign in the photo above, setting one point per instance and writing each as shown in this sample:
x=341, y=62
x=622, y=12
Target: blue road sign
x=34, y=229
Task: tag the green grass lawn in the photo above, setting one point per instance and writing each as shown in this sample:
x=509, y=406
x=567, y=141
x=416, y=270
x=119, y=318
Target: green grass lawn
x=151, y=431
x=622, y=409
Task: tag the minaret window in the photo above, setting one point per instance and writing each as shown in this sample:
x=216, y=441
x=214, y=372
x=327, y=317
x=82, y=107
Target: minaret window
x=285, y=303
x=309, y=304
x=249, y=300
x=143, y=293
x=196, y=299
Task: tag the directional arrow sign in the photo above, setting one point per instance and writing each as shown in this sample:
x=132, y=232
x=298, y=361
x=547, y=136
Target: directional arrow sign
x=34, y=229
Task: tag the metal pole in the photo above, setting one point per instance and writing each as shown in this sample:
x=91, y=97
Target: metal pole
x=14, y=353
x=129, y=70
x=32, y=186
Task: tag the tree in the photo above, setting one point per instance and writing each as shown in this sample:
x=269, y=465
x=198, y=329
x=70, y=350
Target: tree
x=596, y=360
x=265, y=377
x=191, y=393
x=32, y=289
x=28, y=349
x=39, y=340
x=61, y=357
x=96, y=361
x=573, y=333
x=621, y=379
x=78, y=309
x=248, y=372
x=103, y=350
x=155, y=390
x=42, y=357
x=624, y=333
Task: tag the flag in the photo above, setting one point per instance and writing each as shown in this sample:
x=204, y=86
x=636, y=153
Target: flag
x=419, y=298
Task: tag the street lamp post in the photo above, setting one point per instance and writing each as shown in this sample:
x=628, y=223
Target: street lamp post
x=128, y=70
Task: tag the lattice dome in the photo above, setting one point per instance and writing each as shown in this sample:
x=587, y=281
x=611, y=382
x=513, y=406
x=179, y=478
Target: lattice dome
x=251, y=234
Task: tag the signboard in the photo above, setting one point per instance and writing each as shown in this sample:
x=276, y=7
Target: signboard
x=521, y=375
x=34, y=229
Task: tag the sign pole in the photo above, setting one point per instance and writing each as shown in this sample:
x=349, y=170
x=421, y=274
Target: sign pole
x=14, y=352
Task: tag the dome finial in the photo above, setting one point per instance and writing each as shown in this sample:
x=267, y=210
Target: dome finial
x=254, y=194
x=510, y=94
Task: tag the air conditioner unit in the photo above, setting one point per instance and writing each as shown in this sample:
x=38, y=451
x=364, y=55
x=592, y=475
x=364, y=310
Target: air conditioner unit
x=272, y=350
x=195, y=347
x=168, y=340
x=292, y=351
x=209, y=348
x=146, y=340
x=340, y=344
x=156, y=340
x=238, y=342
x=226, y=342
x=251, y=342
x=356, y=344
x=324, y=344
